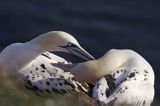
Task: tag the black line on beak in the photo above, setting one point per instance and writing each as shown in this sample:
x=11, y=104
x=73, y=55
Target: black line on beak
x=69, y=45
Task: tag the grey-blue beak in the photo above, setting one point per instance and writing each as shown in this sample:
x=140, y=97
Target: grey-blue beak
x=78, y=51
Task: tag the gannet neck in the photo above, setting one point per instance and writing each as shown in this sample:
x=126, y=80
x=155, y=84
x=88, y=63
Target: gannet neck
x=91, y=71
x=112, y=61
x=86, y=71
x=17, y=55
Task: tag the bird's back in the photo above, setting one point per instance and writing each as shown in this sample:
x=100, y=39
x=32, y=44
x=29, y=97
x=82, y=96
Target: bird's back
x=42, y=76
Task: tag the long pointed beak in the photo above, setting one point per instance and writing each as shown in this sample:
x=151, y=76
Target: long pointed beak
x=80, y=52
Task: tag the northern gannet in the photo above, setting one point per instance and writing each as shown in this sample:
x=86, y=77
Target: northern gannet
x=121, y=77
x=31, y=62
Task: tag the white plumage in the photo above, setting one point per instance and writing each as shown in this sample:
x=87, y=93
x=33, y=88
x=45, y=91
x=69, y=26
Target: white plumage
x=32, y=63
x=130, y=84
x=40, y=75
x=121, y=77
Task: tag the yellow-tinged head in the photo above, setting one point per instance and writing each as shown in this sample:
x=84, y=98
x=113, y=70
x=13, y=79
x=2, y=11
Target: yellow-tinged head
x=60, y=41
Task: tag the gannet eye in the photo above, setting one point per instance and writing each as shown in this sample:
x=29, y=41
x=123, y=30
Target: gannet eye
x=71, y=45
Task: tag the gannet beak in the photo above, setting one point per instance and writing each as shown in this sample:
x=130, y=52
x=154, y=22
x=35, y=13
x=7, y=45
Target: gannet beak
x=78, y=51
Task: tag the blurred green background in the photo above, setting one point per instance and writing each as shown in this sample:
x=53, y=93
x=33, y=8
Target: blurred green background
x=13, y=93
x=99, y=25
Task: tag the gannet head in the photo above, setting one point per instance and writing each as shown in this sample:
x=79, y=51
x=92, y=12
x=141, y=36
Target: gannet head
x=61, y=41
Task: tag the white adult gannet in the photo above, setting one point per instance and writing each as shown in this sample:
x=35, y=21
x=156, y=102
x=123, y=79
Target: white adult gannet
x=123, y=78
x=33, y=63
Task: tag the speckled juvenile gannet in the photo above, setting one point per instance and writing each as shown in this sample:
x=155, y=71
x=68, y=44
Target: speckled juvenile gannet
x=123, y=78
x=33, y=63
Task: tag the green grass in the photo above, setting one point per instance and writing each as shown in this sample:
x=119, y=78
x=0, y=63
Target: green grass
x=12, y=93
